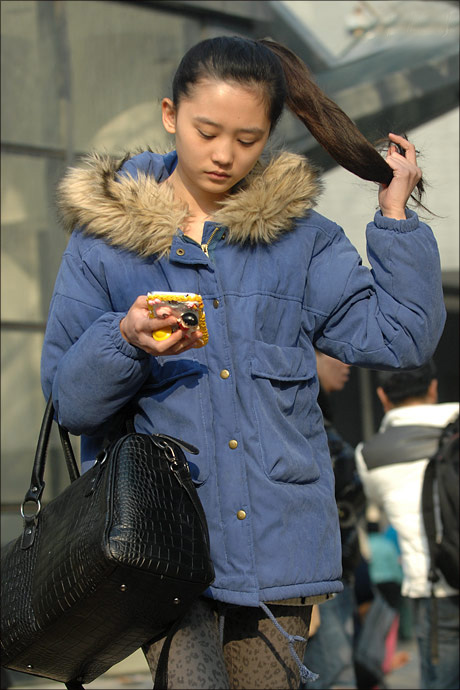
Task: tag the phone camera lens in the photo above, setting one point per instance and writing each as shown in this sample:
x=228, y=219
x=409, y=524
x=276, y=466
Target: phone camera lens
x=189, y=318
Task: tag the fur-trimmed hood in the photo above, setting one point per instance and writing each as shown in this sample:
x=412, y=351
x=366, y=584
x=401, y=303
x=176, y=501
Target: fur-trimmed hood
x=142, y=215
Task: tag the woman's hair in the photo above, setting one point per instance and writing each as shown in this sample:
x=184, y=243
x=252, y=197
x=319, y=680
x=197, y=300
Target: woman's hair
x=231, y=58
x=286, y=81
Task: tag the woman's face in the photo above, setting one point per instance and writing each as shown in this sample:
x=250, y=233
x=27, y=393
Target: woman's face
x=220, y=131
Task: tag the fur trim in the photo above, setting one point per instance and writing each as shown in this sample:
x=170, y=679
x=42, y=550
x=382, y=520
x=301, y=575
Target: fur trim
x=143, y=216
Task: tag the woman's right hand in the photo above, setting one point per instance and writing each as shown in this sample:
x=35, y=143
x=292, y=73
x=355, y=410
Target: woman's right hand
x=137, y=328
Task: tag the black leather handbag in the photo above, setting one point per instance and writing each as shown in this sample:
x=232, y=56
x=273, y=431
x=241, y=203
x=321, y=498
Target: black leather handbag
x=110, y=564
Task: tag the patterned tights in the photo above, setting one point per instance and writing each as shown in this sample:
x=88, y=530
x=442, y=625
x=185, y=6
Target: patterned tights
x=254, y=654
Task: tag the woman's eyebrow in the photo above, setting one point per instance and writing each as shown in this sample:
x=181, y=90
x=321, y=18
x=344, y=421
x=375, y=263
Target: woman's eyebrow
x=246, y=130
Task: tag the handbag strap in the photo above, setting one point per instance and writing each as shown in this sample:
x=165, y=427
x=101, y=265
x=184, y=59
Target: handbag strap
x=72, y=467
x=161, y=674
x=37, y=483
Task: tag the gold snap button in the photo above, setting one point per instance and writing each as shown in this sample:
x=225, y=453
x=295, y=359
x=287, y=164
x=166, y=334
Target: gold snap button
x=224, y=374
x=215, y=304
x=241, y=514
x=223, y=236
x=233, y=444
x=180, y=252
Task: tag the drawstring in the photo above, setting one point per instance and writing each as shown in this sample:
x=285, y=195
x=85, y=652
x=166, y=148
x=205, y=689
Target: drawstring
x=305, y=673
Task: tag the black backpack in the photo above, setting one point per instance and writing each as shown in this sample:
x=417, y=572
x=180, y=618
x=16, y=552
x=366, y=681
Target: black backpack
x=441, y=475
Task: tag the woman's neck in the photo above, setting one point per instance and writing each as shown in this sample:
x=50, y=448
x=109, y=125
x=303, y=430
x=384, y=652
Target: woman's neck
x=201, y=207
x=200, y=204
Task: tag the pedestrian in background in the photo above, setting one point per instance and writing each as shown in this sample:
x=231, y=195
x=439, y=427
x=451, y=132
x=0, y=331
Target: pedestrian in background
x=386, y=574
x=392, y=467
x=385, y=568
x=336, y=628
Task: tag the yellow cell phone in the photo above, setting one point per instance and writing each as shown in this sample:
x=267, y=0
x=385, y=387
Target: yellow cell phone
x=187, y=307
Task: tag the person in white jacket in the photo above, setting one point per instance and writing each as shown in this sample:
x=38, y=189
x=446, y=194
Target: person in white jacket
x=392, y=465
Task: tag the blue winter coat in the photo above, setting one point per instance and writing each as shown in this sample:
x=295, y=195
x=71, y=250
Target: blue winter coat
x=279, y=280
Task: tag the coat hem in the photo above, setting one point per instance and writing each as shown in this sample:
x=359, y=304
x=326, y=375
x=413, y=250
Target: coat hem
x=228, y=596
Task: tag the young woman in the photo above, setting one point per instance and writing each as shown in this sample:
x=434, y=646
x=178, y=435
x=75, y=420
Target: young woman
x=277, y=280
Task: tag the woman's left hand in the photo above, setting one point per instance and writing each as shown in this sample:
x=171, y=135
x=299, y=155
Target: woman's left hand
x=406, y=174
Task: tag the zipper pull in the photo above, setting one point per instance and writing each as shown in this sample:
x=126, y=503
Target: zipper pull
x=205, y=245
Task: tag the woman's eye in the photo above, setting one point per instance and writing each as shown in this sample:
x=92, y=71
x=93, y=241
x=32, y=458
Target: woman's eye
x=247, y=143
x=205, y=136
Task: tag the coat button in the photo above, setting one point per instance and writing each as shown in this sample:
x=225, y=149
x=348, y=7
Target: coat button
x=241, y=514
x=224, y=374
x=233, y=444
x=180, y=252
x=215, y=303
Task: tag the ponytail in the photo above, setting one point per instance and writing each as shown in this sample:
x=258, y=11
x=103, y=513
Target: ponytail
x=286, y=81
x=330, y=126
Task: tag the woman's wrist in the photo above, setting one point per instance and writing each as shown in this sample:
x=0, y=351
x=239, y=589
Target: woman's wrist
x=122, y=330
x=396, y=214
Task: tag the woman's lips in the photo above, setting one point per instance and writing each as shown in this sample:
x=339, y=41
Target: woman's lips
x=217, y=175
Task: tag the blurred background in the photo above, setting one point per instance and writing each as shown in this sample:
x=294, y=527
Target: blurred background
x=79, y=76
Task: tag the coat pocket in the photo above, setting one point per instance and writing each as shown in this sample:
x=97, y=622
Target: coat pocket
x=284, y=401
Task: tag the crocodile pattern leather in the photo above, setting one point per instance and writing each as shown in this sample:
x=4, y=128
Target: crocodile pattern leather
x=116, y=558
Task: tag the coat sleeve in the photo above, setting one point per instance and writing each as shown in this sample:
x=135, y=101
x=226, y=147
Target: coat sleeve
x=90, y=369
x=389, y=316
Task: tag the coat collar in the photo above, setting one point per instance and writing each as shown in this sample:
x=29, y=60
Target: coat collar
x=141, y=215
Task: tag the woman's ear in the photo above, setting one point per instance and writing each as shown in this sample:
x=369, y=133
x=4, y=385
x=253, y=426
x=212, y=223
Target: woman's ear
x=168, y=114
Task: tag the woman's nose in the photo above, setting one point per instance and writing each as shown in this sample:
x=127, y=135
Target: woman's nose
x=223, y=154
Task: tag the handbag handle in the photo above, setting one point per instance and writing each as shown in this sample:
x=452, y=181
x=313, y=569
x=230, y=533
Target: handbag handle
x=37, y=483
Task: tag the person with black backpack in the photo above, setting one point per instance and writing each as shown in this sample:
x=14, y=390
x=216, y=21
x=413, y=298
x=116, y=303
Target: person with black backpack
x=417, y=433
